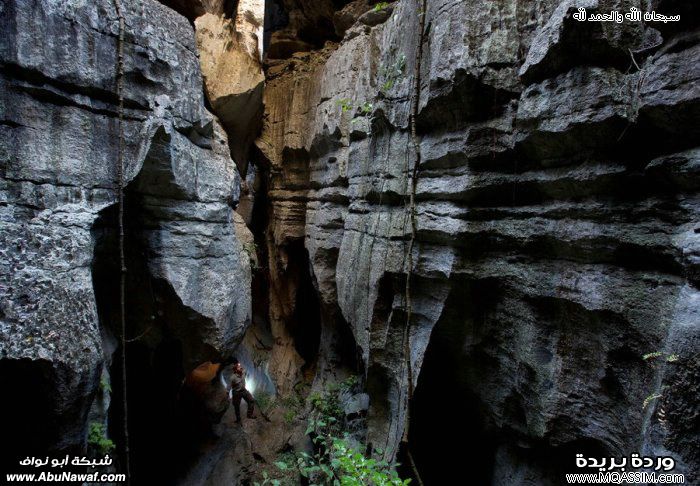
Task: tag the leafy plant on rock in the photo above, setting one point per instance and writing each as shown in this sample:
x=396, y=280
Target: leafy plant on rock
x=380, y=6
x=345, y=104
x=392, y=73
x=333, y=461
x=97, y=439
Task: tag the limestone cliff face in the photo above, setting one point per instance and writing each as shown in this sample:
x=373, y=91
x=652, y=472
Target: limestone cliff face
x=230, y=51
x=555, y=249
x=58, y=156
x=557, y=220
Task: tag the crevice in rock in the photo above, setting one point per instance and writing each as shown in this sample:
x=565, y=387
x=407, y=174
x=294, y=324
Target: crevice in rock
x=165, y=338
x=465, y=99
x=33, y=417
x=66, y=92
x=305, y=322
x=445, y=410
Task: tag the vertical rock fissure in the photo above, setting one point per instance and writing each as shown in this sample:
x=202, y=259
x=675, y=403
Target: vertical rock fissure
x=162, y=339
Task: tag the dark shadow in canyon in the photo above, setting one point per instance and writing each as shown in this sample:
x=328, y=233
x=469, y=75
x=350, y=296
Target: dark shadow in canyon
x=164, y=337
x=305, y=323
x=154, y=358
x=28, y=424
x=42, y=411
x=448, y=434
x=453, y=432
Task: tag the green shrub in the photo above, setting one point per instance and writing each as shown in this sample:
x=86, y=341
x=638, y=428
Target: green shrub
x=105, y=386
x=345, y=104
x=333, y=462
x=289, y=417
x=653, y=355
x=97, y=439
x=264, y=400
x=391, y=73
x=340, y=464
x=650, y=399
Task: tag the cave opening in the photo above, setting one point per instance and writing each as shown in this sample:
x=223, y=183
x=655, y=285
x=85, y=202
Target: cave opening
x=448, y=435
x=37, y=415
x=154, y=360
x=163, y=344
x=305, y=323
x=453, y=431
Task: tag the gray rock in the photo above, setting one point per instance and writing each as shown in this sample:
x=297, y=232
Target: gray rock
x=58, y=156
x=356, y=404
x=557, y=220
x=376, y=16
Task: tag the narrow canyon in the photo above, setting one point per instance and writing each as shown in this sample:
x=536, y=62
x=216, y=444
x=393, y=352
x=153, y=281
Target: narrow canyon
x=459, y=238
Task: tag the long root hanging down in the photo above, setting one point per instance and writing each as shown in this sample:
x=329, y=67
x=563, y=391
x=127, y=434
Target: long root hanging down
x=415, y=103
x=120, y=224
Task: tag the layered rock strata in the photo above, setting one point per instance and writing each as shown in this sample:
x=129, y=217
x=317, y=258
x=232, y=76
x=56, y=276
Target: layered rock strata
x=557, y=218
x=58, y=161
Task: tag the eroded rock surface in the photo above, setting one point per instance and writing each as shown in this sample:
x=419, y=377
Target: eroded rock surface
x=58, y=157
x=230, y=51
x=557, y=229
x=557, y=221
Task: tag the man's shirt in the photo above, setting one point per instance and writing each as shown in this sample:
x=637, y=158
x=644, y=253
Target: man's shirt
x=237, y=383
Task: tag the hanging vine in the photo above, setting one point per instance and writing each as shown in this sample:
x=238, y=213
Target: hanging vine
x=120, y=224
x=415, y=102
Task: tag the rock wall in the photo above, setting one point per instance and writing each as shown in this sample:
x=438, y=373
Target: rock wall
x=557, y=217
x=58, y=157
x=230, y=49
x=554, y=264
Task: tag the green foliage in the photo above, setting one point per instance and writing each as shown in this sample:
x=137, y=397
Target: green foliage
x=289, y=417
x=380, y=6
x=333, y=461
x=326, y=413
x=252, y=250
x=264, y=400
x=345, y=104
x=391, y=73
x=97, y=439
x=670, y=358
x=281, y=472
x=366, y=107
x=340, y=464
x=267, y=480
x=356, y=469
x=293, y=405
x=105, y=386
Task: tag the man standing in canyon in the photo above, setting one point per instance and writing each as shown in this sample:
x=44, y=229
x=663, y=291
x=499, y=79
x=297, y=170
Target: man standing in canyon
x=238, y=392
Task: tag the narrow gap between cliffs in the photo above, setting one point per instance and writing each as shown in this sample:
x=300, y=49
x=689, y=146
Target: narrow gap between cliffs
x=164, y=341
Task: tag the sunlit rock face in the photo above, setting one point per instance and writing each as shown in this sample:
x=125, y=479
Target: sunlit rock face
x=230, y=51
x=58, y=155
x=557, y=218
